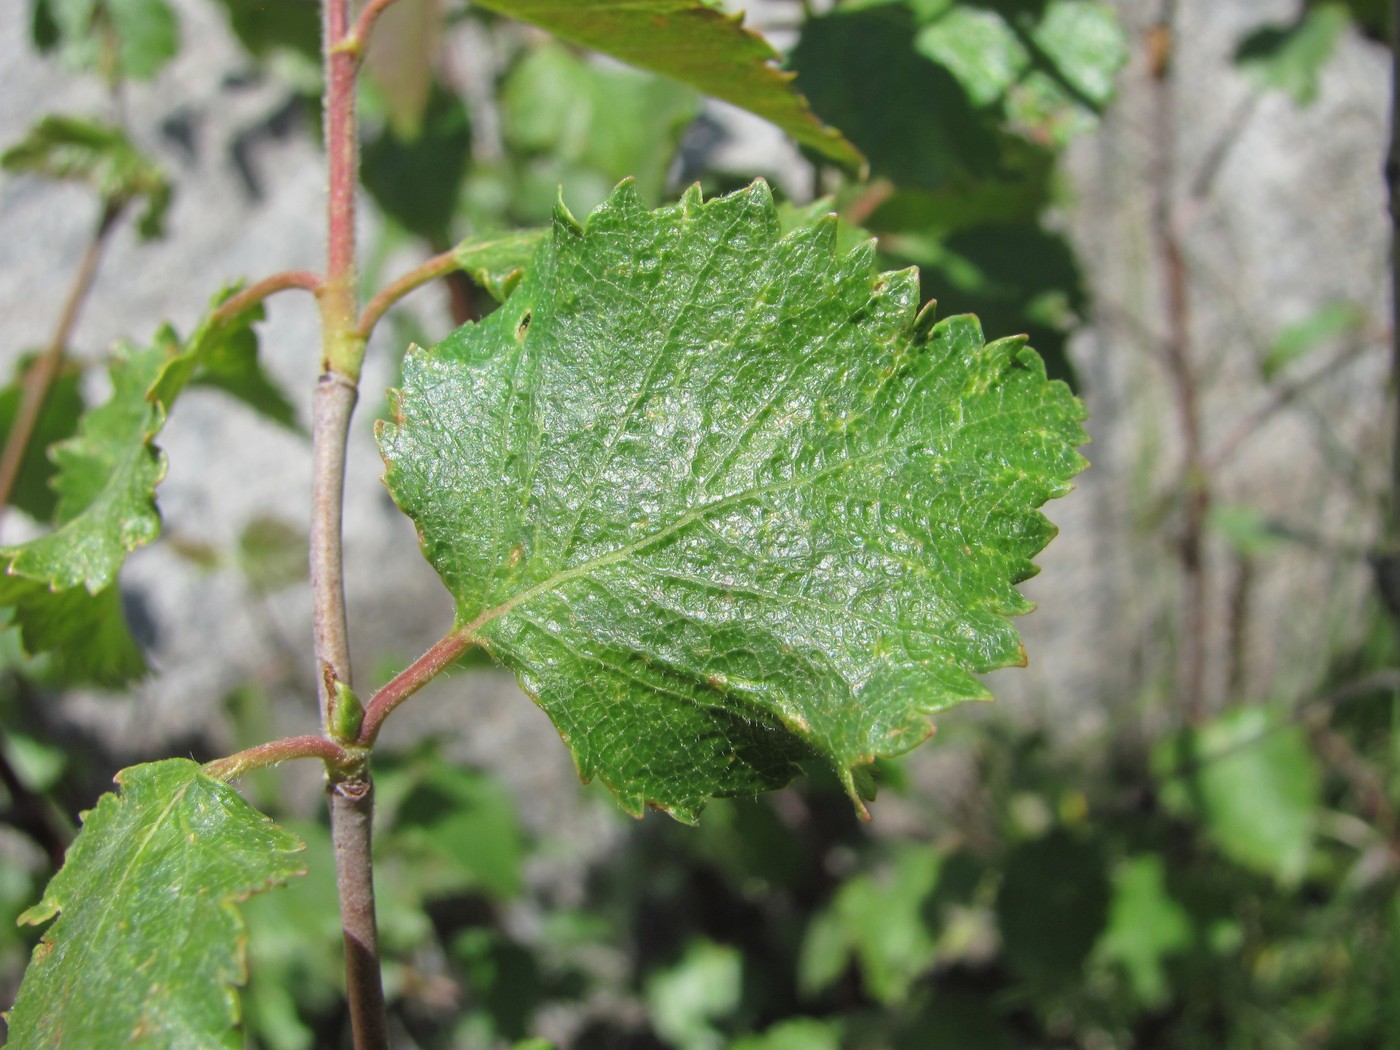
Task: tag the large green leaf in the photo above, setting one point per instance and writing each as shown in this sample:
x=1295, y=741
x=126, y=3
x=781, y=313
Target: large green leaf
x=694, y=42
x=149, y=946
x=98, y=155
x=723, y=501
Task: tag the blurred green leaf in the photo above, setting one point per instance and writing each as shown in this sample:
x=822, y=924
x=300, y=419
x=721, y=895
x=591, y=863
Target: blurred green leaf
x=882, y=922
x=496, y=262
x=1145, y=926
x=1247, y=530
x=295, y=949
x=688, y=999
x=263, y=27
x=908, y=115
x=504, y=979
x=400, y=60
x=98, y=155
x=57, y=421
x=416, y=179
x=798, y=1033
x=455, y=825
x=574, y=124
x=694, y=42
x=272, y=553
x=1255, y=783
x=150, y=946
x=1291, y=58
x=956, y=1021
x=1086, y=45
x=119, y=39
x=978, y=48
x=1326, y=324
x=87, y=634
x=1052, y=906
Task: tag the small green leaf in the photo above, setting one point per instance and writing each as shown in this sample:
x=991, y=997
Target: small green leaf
x=1326, y=324
x=87, y=634
x=572, y=123
x=979, y=48
x=796, y=1033
x=222, y=353
x=1291, y=58
x=149, y=35
x=400, y=60
x=106, y=485
x=693, y=42
x=1083, y=40
x=687, y=999
x=149, y=945
x=497, y=261
x=98, y=155
x=881, y=921
x=723, y=501
x=1254, y=780
x=1145, y=926
x=57, y=421
x=119, y=39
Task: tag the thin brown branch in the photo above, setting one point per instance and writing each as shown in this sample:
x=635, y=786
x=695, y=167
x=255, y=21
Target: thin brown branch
x=278, y=751
x=1392, y=178
x=410, y=680
x=1194, y=482
x=41, y=373
x=430, y=270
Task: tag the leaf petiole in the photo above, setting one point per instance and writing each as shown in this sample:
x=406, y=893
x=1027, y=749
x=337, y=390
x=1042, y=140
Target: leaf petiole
x=337, y=758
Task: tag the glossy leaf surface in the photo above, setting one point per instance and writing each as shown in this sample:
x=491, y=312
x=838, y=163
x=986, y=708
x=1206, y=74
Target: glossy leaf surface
x=723, y=501
x=693, y=42
x=149, y=946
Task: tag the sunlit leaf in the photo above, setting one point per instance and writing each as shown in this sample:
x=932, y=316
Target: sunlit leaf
x=693, y=42
x=723, y=501
x=149, y=946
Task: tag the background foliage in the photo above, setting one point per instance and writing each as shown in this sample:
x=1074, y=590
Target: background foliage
x=1226, y=879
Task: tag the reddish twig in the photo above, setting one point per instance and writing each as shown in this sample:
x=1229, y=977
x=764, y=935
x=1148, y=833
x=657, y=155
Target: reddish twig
x=410, y=680
x=438, y=266
x=255, y=293
x=279, y=751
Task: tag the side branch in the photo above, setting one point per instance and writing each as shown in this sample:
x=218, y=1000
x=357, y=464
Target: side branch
x=258, y=291
x=364, y=25
x=411, y=679
x=376, y=308
x=277, y=752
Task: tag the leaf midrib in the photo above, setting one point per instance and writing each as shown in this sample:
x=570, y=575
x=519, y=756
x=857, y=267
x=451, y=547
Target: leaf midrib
x=471, y=632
